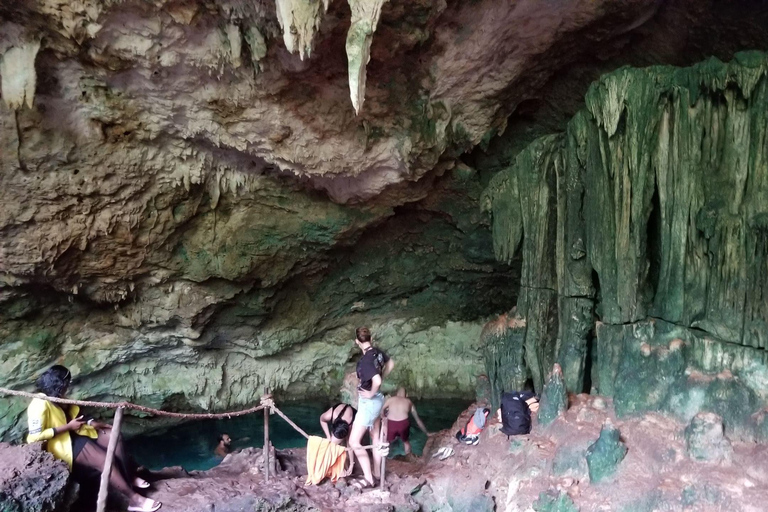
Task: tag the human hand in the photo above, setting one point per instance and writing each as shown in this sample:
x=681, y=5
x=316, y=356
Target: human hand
x=100, y=426
x=75, y=424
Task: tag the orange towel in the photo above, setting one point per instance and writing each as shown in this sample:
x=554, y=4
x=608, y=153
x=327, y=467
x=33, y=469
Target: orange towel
x=324, y=459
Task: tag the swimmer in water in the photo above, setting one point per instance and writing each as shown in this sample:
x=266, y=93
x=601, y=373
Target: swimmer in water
x=222, y=449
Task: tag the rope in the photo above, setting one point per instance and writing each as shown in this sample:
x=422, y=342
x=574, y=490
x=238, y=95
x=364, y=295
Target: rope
x=265, y=403
x=128, y=405
x=295, y=426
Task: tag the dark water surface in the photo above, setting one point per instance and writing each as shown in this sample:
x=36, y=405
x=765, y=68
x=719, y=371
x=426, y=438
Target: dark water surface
x=191, y=445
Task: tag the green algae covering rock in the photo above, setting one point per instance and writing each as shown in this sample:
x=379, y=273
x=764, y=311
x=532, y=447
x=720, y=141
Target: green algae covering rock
x=705, y=439
x=651, y=206
x=502, y=342
x=551, y=502
x=655, y=365
x=554, y=398
x=605, y=454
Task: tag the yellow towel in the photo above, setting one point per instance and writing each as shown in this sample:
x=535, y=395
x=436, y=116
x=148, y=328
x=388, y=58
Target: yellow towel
x=324, y=459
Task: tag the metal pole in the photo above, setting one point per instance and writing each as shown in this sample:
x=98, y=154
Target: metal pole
x=101, y=503
x=266, y=437
x=382, y=440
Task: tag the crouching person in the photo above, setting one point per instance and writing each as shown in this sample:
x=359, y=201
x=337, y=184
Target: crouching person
x=82, y=444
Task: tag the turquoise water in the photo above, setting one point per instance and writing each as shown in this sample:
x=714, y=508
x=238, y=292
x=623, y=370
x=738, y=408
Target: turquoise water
x=191, y=445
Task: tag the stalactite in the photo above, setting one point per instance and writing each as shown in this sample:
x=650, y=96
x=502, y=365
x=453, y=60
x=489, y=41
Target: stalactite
x=365, y=18
x=17, y=71
x=299, y=20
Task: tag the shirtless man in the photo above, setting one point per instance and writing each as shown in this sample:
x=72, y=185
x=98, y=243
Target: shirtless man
x=396, y=409
x=222, y=449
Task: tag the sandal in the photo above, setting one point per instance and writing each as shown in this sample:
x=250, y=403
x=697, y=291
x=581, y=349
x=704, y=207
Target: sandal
x=140, y=483
x=155, y=506
x=361, y=484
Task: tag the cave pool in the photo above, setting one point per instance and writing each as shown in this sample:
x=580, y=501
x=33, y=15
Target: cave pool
x=191, y=445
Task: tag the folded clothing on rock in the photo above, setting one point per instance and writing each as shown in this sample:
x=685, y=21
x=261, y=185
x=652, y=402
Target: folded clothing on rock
x=324, y=459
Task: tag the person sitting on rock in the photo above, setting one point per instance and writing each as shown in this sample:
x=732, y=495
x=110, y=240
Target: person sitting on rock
x=396, y=409
x=222, y=449
x=82, y=444
x=371, y=369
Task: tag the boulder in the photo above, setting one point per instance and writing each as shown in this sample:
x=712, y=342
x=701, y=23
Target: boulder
x=705, y=439
x=31, y=480
x=605, y=454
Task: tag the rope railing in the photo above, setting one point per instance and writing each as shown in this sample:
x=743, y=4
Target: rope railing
x=266, y=404
x=135, y=407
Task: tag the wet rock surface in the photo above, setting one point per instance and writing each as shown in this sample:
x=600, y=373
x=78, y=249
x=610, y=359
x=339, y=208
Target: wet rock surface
x=31, y=480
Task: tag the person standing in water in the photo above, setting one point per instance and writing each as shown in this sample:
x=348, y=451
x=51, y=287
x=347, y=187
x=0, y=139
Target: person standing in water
x=397, y=408
x=371, y=369
x=222, y=449
x=81, y=443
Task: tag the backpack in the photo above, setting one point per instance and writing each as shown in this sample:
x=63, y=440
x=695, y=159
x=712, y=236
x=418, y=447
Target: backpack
x=515, y=412
x=470, y=434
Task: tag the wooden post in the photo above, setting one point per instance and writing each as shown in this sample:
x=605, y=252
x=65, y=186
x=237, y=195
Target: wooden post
x=101, y=503
x=266, y=437
x=382, y=440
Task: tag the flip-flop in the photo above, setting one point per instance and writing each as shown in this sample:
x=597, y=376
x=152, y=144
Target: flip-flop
x=362, y=484
x=155, y=506
x=443, y=453
x=140, y=483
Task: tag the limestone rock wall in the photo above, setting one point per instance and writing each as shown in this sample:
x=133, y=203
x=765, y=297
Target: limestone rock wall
x=193, y=207
x=649, y=209
x=203, y=198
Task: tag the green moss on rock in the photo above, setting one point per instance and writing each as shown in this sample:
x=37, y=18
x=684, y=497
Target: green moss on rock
x=605, y=454
x=657, y=193
x=554, y=398
x=554, y=502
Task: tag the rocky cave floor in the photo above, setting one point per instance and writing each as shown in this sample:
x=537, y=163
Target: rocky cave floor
x=545, y=470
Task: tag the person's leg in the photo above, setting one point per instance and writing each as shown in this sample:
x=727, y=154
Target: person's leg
x=405, y=436
x=93, y=457
x=124, y=462
x=355, y=442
